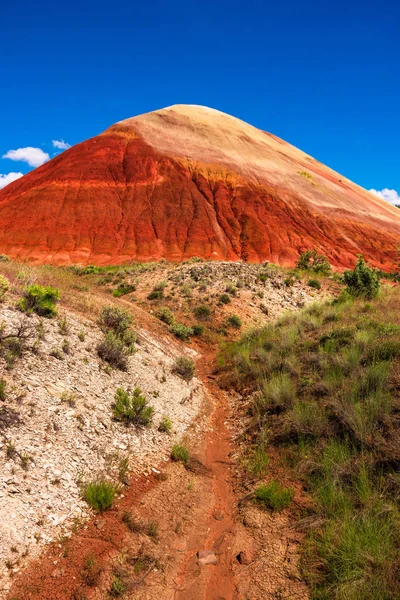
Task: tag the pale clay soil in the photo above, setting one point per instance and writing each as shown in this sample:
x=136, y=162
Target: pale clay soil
x=68, y=445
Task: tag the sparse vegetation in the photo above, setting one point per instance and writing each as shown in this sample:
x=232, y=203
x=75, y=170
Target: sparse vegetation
x=40, y=300
x=100, y=494
x=165, y=425
x=224, y=299
x=180, y=454
x=234, y=321
x=132, y=408
x=63, y=326
x=165, y=315
x=273, y=496
x=91, y=571
x=113, y=350
x=314, y=283
x=184, y=367
x=182, y=332
x=3, y=389
x=157, y=293
x=4, y=287
x=202, y=312
x=312, y=260
x=123, y=289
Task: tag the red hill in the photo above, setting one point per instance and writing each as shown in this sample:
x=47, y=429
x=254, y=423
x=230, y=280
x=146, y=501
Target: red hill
x=191, y=181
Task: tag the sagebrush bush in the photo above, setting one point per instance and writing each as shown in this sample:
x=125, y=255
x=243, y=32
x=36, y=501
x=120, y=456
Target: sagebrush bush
x=132, y=408
x=100, y=494
x=234, y=321
x=40, y=300
x=182, y=332
x=363, y=281
x=184, y=367
x=202, y=312
x=119, y=339
x=115, y=319
x=165, y=315
x=113, y=350
x=224, y=299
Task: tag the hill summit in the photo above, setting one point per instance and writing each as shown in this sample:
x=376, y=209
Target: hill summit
x=189, y=181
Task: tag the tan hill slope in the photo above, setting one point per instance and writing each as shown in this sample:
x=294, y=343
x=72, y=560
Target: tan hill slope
x=191, y=181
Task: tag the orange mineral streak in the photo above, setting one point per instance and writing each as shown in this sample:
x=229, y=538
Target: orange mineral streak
x=191, y=181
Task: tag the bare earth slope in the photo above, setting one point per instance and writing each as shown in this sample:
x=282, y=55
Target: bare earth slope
x=191, y=181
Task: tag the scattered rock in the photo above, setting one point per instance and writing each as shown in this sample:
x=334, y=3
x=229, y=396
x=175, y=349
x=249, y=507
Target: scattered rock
x=207, y=557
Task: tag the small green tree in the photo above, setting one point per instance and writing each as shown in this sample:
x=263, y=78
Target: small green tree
x=312, y=260
x=363, y=281
x=40, y=300
x=132, y=408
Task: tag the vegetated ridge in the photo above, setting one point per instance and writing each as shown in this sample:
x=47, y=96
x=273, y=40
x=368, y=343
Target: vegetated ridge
x=190, y=181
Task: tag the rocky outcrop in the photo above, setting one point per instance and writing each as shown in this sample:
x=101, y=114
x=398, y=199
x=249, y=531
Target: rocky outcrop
x=190, y=181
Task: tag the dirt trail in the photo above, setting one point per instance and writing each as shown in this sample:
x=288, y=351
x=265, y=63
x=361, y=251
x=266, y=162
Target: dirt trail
x=217, y=532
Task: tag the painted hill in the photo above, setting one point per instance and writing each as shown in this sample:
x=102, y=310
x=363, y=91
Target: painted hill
x=191, y=181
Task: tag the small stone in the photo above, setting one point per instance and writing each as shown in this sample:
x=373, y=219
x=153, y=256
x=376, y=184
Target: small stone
x=218, y=515
x=207, y=557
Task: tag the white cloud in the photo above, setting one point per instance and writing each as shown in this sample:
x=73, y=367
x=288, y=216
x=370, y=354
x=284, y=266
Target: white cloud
x=61, y=145
x=8, y=178
x=33, y=156
x=389, y=195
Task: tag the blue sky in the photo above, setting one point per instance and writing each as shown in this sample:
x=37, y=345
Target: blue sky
x=323, y=76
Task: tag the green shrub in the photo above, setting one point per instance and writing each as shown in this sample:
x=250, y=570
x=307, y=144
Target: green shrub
x=234, y=321
x=363, y=281
x=63, y=326
x=40, y=300
x=157, y=292
x=180, y=454
x=224, y=299
x=165, y=425
x=123, y=289
x=181, y=331
x=118, y=587
x=312, y=260
x=115, y=319
x=132, y=408
x=100, y=494
x=230, y=289
x=202, y=312
x=314, y=283
x=113, y=350
x=273, y=496
x=165, y=315
x=4, y=287
x=184, y=367
x=198, y=330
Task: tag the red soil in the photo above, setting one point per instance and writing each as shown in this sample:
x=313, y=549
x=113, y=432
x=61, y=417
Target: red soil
x=189, y=181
